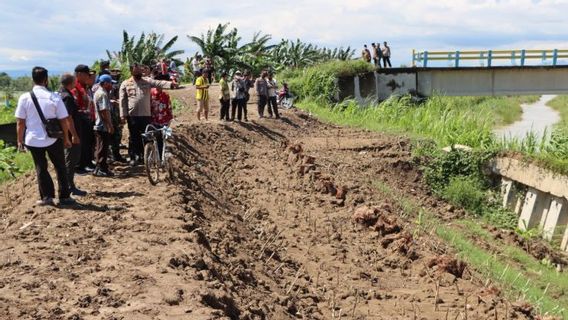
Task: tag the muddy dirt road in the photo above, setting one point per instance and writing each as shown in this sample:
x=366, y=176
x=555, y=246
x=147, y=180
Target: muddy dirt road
x=270, y=219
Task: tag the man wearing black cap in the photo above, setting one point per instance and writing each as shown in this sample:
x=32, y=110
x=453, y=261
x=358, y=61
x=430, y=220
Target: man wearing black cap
x=82, y=76
x=135, y=108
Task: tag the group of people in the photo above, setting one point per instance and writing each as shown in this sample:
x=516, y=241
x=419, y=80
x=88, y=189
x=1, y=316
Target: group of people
x=378, y=55
x=235, y=94
x=80, y=127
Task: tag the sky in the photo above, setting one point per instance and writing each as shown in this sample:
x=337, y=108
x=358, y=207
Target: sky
x=61, y=34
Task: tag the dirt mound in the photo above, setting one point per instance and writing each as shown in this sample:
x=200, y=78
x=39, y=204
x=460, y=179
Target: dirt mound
x=447, y=264
x=256, y=225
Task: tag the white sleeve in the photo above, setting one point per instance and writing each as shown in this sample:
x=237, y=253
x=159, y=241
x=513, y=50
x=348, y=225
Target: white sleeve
x=20, y=109
x=60, y=110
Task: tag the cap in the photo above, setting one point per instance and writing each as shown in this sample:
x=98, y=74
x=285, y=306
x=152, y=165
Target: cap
x=238, y=72
x=82, y=68
x=106, y=78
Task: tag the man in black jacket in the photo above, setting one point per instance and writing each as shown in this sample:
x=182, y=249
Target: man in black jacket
x=73, y=154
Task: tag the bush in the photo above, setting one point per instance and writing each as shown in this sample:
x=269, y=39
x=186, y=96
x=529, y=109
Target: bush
x=320, y=81
x=465, y=192
x=443, y=167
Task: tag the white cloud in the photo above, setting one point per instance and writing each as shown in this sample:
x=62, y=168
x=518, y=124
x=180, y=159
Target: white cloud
x=72, y=30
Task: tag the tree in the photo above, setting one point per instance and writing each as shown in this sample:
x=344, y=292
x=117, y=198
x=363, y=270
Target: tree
x=228, y=52
x=5, y=80
x=147, y=50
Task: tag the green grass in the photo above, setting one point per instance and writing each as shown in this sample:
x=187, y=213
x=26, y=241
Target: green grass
x=560, y=104
x=507, y=109
x=7, y=114
x=13, y=163
x=442, y=119
x=517, y=272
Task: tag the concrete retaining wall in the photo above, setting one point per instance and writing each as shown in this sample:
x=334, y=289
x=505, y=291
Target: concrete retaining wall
x=537, y=195
x=466, y=81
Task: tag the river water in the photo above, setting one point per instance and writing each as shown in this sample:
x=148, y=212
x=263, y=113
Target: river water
x=537, y=117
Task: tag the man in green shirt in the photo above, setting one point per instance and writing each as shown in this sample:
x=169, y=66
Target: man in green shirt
x=225, y=97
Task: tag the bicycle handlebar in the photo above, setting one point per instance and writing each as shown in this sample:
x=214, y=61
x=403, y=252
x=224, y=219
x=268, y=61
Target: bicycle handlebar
x=151, y=126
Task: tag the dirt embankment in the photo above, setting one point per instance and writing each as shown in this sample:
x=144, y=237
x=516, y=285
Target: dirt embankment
x=266, y=220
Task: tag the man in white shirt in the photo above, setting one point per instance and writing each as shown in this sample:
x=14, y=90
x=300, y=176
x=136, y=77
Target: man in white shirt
x=33, y=136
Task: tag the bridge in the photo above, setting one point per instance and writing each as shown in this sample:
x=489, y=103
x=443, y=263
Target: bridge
x=457, y=80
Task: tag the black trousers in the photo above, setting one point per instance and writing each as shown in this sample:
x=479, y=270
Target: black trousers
x=72, y=157
x=101, y=149
x=87, y=137
x=136, y=126
x=56, y=155
x=273, y=107
x=262, y=100
x=387, y=60
x=225, y=104
x=240, y=106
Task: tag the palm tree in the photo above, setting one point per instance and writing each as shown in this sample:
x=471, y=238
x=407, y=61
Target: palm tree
x=148, y=49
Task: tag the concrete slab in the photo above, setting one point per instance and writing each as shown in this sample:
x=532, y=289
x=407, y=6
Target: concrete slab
x=531, y=175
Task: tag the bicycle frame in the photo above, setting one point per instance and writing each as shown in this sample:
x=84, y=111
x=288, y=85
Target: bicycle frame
x=150, y=136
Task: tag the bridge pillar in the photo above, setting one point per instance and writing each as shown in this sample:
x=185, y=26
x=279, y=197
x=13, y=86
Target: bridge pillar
x=564, y=245
x=533, y=210
x=557, y=217
x=507, y=192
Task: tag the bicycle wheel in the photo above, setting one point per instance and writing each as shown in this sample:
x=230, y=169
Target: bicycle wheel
x=152, y=162
x=287, y=103
x=168, y=168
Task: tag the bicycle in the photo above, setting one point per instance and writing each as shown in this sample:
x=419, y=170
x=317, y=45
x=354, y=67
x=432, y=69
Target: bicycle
x=285, y=101
x=156, y=160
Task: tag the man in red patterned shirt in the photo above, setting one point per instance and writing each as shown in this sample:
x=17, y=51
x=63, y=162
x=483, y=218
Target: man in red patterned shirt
x=85, y=128
x=161, y=112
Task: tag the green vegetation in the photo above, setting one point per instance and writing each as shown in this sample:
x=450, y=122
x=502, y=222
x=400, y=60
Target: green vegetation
x=13, y=163
x=148, y=49
x=517, y=272
x=229, y=52
x=560, y=104
x=7, y=114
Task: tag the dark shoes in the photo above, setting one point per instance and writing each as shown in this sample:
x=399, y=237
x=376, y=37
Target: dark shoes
x=78, y=192
x=119, y=159
x=45, y=202
x=67, y=202
x=102, y=173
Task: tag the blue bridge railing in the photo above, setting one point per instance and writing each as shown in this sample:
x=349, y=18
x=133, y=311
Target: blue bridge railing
x=489, y=56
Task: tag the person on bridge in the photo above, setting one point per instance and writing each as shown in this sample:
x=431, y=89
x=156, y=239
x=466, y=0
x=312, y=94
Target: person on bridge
x=386, y=56
x=135, y=108
x=33, y=135
x=366, y=54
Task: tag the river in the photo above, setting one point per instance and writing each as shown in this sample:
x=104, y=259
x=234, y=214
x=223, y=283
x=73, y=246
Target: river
x=537, y=117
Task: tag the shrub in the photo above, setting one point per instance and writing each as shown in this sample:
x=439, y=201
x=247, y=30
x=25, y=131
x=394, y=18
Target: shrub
x=465, y=192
